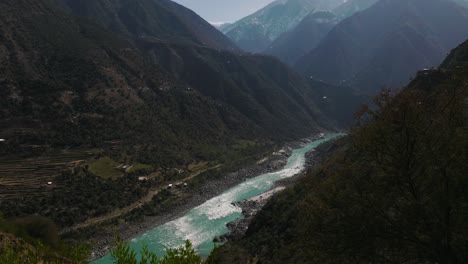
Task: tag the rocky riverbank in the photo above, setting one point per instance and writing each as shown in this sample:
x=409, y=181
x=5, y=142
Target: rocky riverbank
x=104, y=238
x=250, y=207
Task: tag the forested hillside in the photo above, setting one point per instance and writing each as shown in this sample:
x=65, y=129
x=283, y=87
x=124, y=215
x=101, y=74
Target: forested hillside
x=69, y=83
x=78, y=103
x=90, y=100
x=394, y=192
x=260, y=88
x=162, y=20
x=117, y=112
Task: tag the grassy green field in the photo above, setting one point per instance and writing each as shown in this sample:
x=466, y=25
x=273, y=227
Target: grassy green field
x=140, y=167
x=104, y=167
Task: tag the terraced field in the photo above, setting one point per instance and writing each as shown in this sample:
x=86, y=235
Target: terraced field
x=22, y=178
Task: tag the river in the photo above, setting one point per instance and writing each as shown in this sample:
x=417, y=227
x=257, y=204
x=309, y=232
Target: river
x=207, y=221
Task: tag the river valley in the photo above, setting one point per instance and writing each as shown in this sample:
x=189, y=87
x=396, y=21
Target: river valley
x=207, y=221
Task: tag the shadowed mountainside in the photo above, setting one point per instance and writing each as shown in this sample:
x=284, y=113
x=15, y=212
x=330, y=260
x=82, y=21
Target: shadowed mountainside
x=162, y=20
x=292, y=45
x=260, y=88
x=384, y=45
x=81, y=104
x=393, y=191
x=65, y=82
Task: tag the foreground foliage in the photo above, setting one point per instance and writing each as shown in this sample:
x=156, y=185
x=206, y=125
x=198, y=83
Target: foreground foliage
x=123, y=254
x=35, y=240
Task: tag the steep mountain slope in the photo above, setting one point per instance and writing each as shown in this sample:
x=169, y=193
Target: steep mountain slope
x=161, y=19
x=261, y=88
x=222, y=26
x=337, y=102
x=79, y=102
x=68, y=83
x=384, y=45
x=256, y=32
x=292, y=45
x=351, y=7
x=305, y=37
x=394, y=191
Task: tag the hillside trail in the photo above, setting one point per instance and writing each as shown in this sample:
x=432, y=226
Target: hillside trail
x=137, y=204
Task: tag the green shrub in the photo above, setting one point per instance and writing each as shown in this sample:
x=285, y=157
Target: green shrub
x=35, y=239
x=123, y=254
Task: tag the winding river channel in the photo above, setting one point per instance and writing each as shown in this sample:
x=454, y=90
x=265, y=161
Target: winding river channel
x=203, y=223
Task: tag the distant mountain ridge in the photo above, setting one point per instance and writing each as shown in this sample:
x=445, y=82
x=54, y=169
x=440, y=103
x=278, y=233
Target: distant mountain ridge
x=384, y=45
x=256, y=32
x=350, y=7
x=293, y=44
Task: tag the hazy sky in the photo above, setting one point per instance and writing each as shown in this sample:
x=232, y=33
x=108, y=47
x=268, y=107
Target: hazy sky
x=224, y=10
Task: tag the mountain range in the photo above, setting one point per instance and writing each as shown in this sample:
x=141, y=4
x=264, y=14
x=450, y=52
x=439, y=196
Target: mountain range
x=307, y=35
x=364, y=44
x=351, y=7
x=115, y=110
x=385, y=44
x=256, y=32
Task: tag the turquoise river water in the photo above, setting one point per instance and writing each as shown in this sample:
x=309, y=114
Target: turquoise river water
x=203, y=223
